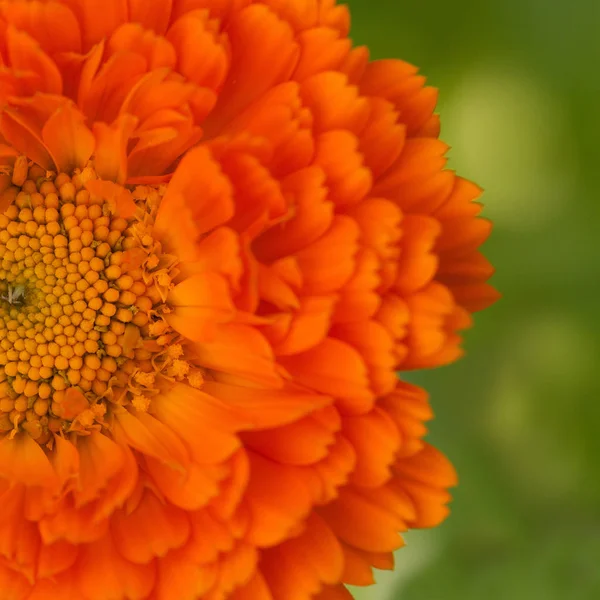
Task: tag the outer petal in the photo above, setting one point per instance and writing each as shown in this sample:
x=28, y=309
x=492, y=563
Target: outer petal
x=198, y=200
x=272, y=60
x=151, y=530
x=103, y=574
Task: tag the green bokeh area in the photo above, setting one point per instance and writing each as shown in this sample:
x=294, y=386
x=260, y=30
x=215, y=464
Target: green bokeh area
x=519, y=416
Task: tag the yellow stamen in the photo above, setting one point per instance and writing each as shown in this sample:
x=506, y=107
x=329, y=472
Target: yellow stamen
x=178, y=368
x=141, y=403
x=196, y=379
x=81, y=294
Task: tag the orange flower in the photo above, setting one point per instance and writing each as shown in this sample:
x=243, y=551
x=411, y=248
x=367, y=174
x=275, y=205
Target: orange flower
x=224, y=230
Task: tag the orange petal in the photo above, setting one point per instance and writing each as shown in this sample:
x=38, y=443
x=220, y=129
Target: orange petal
x=69, y=141
x=118, y=197
x=418, y=263
x=424, y=477
x=359, y=298
x=357, y=569
x=382, y=139
x=309, y=325
x=19, y=539
x=204, y=425
x=190, y=490
x=475, y=296
x=335, y=368
x=257, y=192
x=110, y=157
x=180, y=576
x=394, y=315
x=473, y=267
x=358, y=521
x=376, y=345
x=321, y=49
x=151, y=437
x=278, y=501
x=328, y=476
x=102, y=93
x=22, y=460
x=218, y=252
x=132, y=37
x=301, y=443
x=60, y=587
x=203, y=290
x=334, y=103
x=97, y=22
x=65, y=460
x=202, y=52
x=272, y=61
x=398, y=81
x=300, y=15
x=121, y=486
x=348, y=179
x=460, y=201
x=376, y=441
x=304, y=15
x=313, y=215
x=463, y=235
x=279, y=117
x=274, y=289
x=73, y=403
x=241, y=351
x=151, y=16
x=414, y=173
x=51, y=24
x=233, y=487
x=152, y=529
x=56, y=558
x=14, y=586
x=298, y=568
x=197, y=323
x=73, y=525
x=337, y=592
x=328, y=264
x=409, y=408
x=213, y=207
x=158, y=100
x=100, y=459
x=103, y=574
x=158, y=149
x=255, y=589
x=202, y=302
x=266, y=408
x=235, y=567
x=24, y=137
x=380, y=560
x=25, y=55
x=435, y=318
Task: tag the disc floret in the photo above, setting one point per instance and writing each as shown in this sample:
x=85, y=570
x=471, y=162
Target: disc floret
x=83, y=288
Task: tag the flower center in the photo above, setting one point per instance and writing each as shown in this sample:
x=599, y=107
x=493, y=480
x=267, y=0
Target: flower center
x=83, y=295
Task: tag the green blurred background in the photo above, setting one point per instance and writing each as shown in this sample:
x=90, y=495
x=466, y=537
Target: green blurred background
x=519, y=416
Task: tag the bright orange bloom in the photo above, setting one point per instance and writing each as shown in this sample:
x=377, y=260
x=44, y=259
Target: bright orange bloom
x=224, y=231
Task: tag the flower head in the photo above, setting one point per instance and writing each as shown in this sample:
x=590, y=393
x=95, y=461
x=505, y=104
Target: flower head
x=223, y=231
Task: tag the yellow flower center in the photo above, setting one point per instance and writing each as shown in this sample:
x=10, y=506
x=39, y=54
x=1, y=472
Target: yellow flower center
x=83, y=295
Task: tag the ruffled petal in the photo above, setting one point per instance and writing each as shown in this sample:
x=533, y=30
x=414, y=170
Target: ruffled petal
x=151, y=530
x=103, y=574
x=252, y=73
